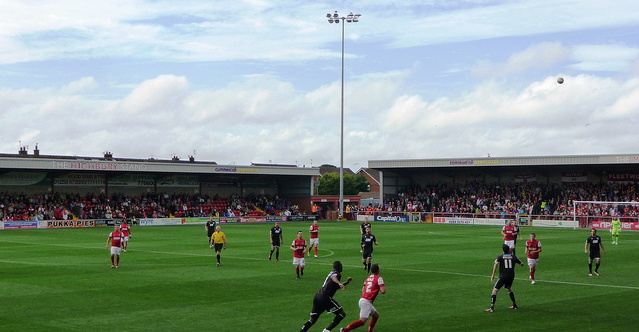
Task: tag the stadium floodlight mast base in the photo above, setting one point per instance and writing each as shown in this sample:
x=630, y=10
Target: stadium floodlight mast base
x=335, y=18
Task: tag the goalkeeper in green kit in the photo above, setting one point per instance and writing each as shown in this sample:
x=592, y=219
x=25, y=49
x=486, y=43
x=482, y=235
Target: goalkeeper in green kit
x=615, y=228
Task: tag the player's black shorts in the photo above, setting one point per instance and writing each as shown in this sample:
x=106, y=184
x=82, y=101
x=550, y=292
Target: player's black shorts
x=323, y=302
x=275, y=244
x=504, y=282
x=594, y=255
x=218, y=246
x=367, y=253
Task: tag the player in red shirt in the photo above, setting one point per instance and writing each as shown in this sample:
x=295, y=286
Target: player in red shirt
x=126, y=230
x=314, y=230
x=509, y=233
x=299, y=248
x=373, y=285
x=533, y=248
x=115, y=241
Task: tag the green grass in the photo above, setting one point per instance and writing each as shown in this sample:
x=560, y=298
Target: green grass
x=437, y=276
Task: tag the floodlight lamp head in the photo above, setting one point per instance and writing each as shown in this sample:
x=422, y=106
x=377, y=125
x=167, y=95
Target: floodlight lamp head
x=335, y=15
x=330, y=20
x=328, y=15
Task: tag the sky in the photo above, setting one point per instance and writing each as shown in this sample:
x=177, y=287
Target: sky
x=259, y=81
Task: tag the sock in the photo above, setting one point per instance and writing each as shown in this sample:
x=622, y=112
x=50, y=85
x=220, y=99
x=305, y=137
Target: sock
x=590, y=267
x=271, y=254
x=371, y=325
x=532, y=275
x=277, y=254
x=218, y=259
x=315, y=251
x=117, y=261
x=306, y=326
x=353, y=325
x=493, y=299
x=112, y=260
x=597, y=267
x=338, y=318
x=369, y=266
x=512, y=298
x=297, y=270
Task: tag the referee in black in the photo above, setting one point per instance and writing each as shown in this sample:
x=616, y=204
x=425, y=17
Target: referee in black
x=323, y=299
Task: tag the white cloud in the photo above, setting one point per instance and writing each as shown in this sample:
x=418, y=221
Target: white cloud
x=505, y=19
x=262, y=118
x=538, y=56
x=604, y=57
x=258, y=81
x=163, y=93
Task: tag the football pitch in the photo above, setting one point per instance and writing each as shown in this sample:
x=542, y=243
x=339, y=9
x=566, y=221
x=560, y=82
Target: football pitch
x=437, y=278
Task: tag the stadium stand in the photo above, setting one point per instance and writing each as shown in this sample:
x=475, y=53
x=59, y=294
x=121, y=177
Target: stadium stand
x=508, y=199
x=61, y=206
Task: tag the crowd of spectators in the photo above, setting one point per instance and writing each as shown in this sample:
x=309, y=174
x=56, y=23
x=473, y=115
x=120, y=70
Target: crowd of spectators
x=504, y=199
x=511, y=199
x=60, y=206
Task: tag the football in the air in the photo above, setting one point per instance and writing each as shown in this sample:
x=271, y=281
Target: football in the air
x=560, y=80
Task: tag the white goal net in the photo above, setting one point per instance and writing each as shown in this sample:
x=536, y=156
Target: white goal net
x=589, y=212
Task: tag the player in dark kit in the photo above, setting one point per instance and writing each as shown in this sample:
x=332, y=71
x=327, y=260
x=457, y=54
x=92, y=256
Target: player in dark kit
x=368, y=240
x=362, y=229
x=323, y=299
x=364, y=226
x=276, y=241
x=506, y=263
x=595, y=243
x=210, y=228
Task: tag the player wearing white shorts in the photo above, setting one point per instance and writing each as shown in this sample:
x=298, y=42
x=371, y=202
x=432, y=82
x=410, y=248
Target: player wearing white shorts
x=299, y=248
x=533, y=248
x=125, y=228
x=314, y=243
x=509, y=233
x=373, y=285
x=116, y=251
x=115, y=241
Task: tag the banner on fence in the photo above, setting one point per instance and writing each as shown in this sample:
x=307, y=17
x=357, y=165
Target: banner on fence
x=393, y=218
x=555, y=223
x=624, y=225
x=70, y=223
x=453, y=220
x=161, y=222
x=20, y=224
